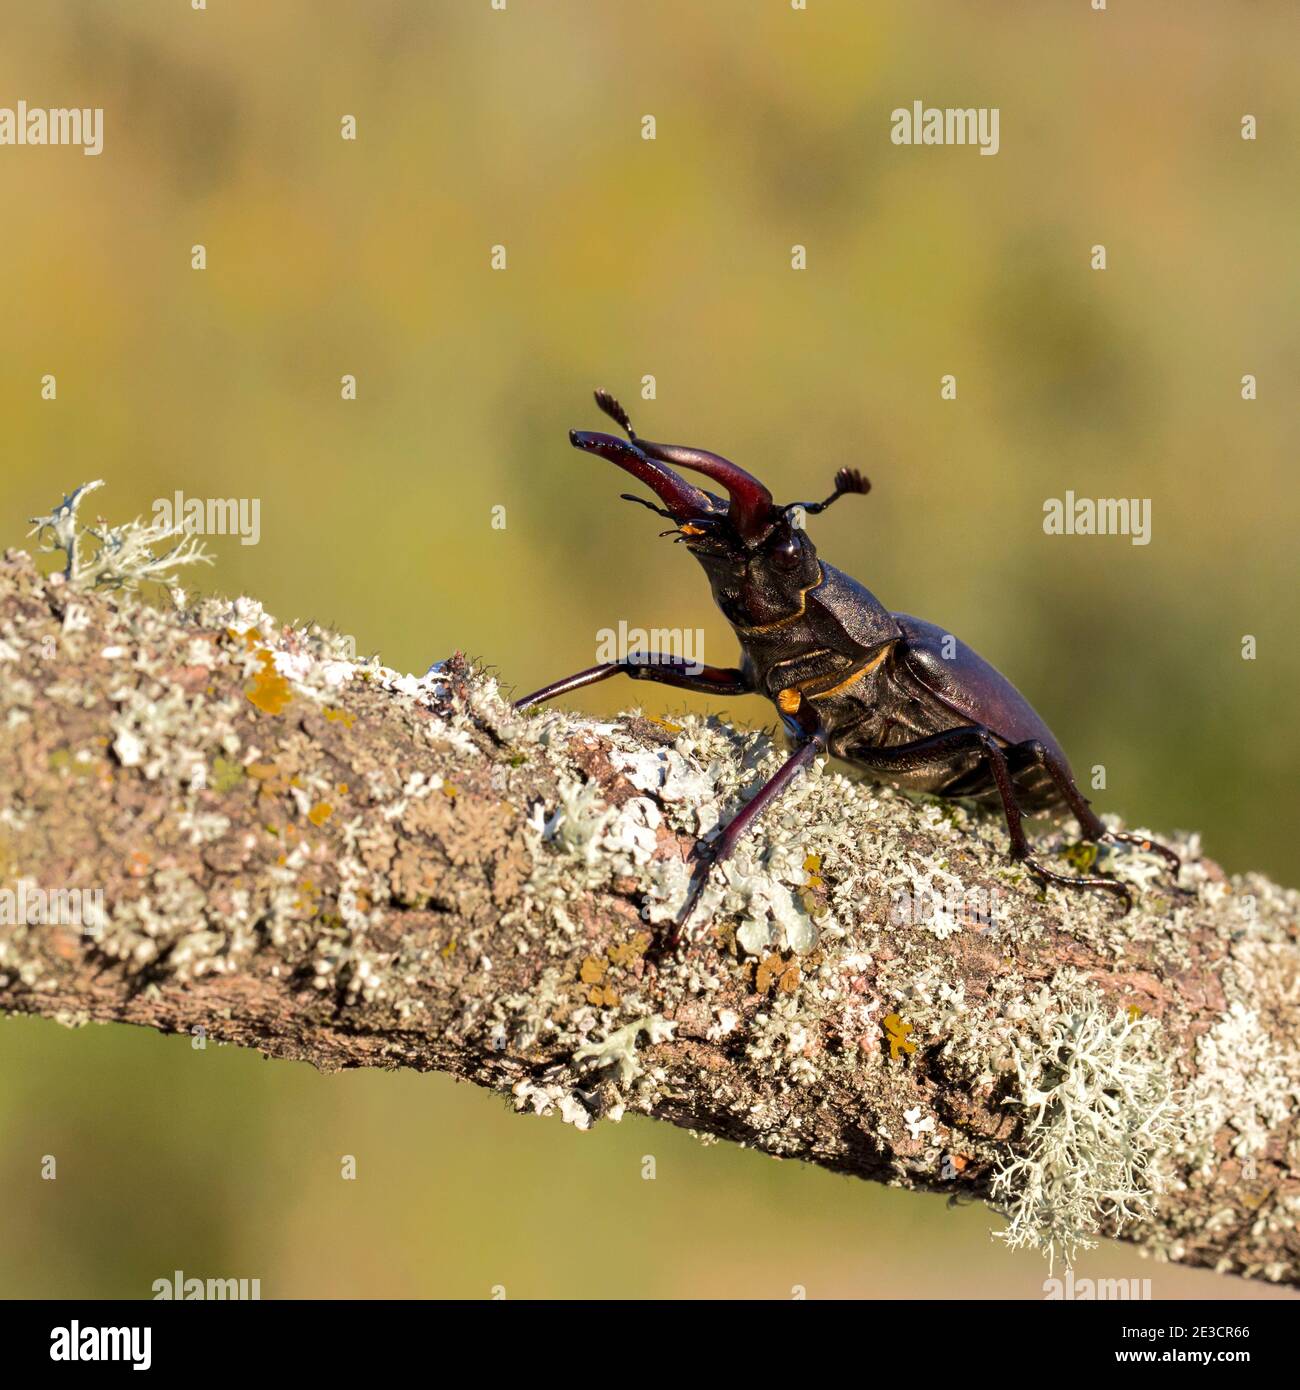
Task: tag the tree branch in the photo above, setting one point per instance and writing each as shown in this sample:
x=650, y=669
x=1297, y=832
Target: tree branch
x=327, y=861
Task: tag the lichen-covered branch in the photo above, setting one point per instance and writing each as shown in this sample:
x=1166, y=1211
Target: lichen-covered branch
x=211, y=821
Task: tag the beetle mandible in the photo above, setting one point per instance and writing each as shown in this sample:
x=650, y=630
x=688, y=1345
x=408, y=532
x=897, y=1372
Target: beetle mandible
x=889, y=693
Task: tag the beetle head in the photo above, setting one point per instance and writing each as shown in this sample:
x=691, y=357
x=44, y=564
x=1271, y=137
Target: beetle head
x=756, y=553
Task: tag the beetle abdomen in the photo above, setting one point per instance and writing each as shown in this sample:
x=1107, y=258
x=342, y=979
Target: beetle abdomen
x=932, y=683
x=972, y=688
x=976, y=692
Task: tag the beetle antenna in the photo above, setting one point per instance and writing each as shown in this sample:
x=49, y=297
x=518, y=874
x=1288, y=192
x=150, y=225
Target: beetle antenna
x=658, y=511
x=611, y=407
x=847, y=480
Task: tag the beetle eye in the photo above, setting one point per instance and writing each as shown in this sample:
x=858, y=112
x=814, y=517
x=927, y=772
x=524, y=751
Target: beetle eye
x=785, y=554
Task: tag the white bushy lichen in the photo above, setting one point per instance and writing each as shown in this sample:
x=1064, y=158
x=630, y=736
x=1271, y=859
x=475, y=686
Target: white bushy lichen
x=1246, y=1081
x=122, y=556
x=1098, y=1110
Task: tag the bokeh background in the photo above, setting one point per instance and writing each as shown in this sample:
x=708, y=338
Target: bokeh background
x=629, y=258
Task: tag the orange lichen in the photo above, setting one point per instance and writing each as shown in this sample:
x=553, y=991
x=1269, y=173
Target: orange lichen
x=898, y=1040
x=772, y=970
x=592, y=971
x=340, y=716
x=320, y=813
x=625, y=952
x=663, y=724
x=269, y=691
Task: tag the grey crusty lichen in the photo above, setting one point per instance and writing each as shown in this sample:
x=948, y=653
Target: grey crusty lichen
x=361, y=867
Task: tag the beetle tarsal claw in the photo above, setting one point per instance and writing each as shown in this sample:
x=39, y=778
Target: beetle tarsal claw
x=704, y=861
x=1079, y=881
x=1147, y=845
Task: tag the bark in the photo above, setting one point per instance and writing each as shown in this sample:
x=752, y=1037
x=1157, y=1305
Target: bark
x=327, y=861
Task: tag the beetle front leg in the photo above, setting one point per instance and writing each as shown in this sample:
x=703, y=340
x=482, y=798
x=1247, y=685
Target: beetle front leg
x=939, y=748
x=707, y=680
x=1090, y=823
x=802, y=723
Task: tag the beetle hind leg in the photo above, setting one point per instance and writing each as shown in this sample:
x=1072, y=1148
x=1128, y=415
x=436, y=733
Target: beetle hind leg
x=936, y=749
x=1020, y=850
x=1089, y=881
x=1090, y=823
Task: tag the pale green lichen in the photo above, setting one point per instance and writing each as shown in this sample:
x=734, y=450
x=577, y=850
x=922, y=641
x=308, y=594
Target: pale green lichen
x=1099, y=1110
x=618, y=1050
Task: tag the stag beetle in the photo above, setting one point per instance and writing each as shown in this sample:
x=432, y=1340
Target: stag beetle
x=889, y=693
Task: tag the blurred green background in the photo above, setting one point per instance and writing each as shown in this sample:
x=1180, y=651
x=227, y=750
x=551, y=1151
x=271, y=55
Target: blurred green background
x=629, y=258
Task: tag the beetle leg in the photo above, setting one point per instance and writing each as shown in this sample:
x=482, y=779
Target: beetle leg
x=802, y=723
x=1089, y=821
x=975, y=737
x=642, y=666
